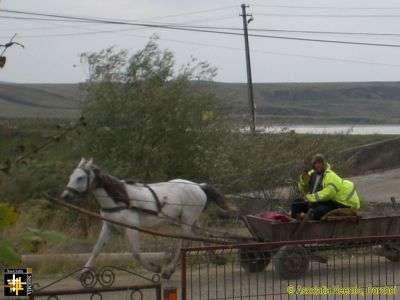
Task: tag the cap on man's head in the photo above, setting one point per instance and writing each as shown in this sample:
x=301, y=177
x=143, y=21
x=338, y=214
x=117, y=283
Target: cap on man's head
x=318, y=158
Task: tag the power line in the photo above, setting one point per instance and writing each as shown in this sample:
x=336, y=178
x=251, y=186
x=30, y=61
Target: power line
x=59, y=18
x=161, y=17
x=121, y=31
x=213, y=27
x=204, y=20
x=326, y=41
x=284, y=53
x=44, y=19
x=93, y=32
x=194, y=29
x=187, y=25
x=326, y=32
x=288, y=54
x=253, y=50
x=326, y=15
x=98, y=20
x=326, y=7
x=188, y=13
x=29, y=29
x=327, y=58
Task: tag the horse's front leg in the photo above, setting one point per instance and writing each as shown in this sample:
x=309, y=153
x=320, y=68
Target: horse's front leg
x=134, y=241
x=101, y=242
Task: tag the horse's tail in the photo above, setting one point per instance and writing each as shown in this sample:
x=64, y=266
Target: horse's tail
x=226, y=209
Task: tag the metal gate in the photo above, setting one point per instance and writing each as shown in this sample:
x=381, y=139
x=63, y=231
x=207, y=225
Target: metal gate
x=100, y=285
x=357, y=268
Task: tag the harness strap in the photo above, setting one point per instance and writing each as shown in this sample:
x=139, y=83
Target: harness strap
x=119, y=208
x=158, y=203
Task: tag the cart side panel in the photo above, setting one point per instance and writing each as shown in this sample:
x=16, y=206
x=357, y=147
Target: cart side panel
x=260, y=229
x=274, y=231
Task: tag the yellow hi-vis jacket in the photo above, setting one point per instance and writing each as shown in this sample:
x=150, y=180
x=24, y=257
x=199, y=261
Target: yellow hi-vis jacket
x=333, y=188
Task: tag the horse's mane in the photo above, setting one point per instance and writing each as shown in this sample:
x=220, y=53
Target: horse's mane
x=114, y=187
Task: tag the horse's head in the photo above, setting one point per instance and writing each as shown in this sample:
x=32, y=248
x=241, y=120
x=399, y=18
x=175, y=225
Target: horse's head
x=81, y=181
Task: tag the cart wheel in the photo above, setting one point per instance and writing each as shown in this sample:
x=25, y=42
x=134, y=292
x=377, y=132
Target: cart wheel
x=254, y=260
x=391, y=250
x=291, y=262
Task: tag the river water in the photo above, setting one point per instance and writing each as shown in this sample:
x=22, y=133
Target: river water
x=335, y=129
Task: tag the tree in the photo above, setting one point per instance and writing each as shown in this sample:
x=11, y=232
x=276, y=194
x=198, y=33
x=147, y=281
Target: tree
x=146, y=119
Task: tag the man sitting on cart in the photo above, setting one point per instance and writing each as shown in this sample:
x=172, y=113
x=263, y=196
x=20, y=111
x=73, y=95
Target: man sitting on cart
x=323, y=190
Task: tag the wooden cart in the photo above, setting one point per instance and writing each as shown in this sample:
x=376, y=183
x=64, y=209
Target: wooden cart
x=292, y=261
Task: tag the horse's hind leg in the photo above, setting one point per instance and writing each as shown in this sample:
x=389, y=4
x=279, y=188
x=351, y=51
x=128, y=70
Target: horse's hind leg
x=134, y=241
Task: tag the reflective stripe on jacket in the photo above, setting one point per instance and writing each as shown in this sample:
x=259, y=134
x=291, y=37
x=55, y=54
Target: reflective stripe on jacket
x=333, y=188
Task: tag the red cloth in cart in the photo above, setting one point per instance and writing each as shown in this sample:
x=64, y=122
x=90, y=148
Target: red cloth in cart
x=273, y=216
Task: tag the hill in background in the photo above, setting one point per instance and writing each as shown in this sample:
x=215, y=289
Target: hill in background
x=348, y=103
x=345, y=103
x=40, y=100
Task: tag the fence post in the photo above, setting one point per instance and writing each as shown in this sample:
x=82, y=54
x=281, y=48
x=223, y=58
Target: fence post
x=183, y=273
x=170, y=293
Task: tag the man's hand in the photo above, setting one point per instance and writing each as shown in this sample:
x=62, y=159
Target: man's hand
x=305, y=176
x=305, y=198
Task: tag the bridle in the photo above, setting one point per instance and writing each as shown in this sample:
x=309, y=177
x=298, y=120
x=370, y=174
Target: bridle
x=77, y=193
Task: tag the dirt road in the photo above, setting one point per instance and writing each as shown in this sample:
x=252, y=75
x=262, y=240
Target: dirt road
x=378, y=187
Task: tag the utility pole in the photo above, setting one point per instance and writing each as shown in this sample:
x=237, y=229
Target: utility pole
x=248, y=67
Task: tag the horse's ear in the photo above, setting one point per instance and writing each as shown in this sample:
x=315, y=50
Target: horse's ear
x=82, y=162
x=89, y=163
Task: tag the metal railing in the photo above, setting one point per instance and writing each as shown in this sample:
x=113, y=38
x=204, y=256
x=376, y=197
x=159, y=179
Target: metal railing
x=351, y=268
x=96, y=284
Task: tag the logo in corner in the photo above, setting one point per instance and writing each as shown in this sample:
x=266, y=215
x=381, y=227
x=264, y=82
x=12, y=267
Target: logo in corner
x=17, y=282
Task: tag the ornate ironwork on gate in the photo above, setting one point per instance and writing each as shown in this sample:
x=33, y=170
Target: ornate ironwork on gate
x=97, y=283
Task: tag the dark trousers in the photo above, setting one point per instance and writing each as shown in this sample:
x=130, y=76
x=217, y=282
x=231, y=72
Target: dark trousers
x=320, y=208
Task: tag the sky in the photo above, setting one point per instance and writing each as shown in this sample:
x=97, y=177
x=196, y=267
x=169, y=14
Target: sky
x=52, y=48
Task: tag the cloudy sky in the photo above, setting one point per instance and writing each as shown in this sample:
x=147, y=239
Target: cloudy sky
x=52, y=47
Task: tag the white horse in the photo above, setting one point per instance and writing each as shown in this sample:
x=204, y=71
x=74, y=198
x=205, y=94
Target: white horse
x=148, y=206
